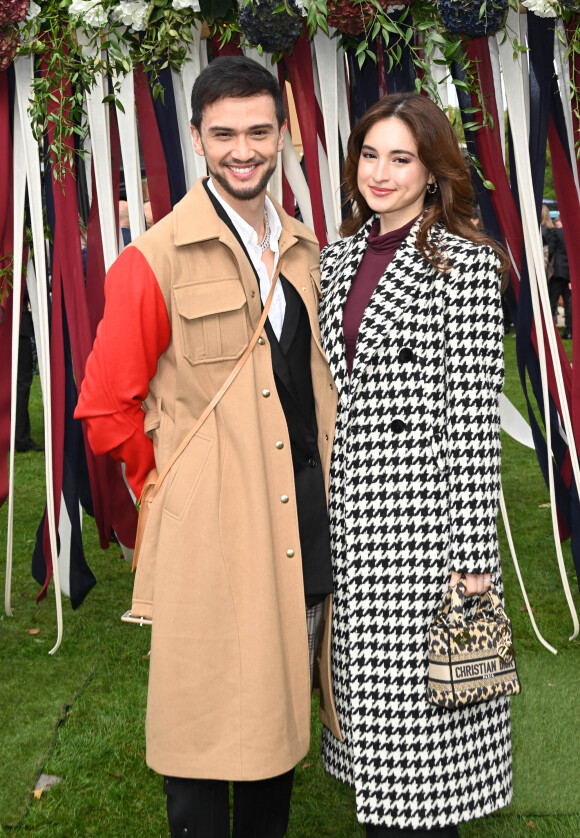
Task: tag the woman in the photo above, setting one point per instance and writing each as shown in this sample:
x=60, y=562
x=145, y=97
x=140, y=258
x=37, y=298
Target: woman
x=412, y=326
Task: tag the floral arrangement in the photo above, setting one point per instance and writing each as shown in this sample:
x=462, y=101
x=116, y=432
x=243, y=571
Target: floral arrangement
x=543, y=8
x=352, y=18
x=268, y=31
x=472, y=17
x=153, y=33
x=158, y=33
x=11, y=12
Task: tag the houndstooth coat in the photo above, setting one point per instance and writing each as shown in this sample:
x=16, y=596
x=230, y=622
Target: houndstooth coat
x=414, y=491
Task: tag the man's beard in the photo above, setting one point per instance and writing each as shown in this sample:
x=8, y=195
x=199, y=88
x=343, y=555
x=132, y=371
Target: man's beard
x=244, y=193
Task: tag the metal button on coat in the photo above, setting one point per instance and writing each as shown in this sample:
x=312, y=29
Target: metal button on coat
x=265, y=393
x=290, y=553
x=261, y=341
x=406, y=355
x=397, y=426
x=284, y=498
x=279, y=445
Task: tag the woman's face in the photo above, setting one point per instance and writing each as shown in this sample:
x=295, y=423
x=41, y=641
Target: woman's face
x=390, y=176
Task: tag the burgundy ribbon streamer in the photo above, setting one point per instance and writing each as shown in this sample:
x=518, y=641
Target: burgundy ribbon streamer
x=299, y=66
x=155, y=166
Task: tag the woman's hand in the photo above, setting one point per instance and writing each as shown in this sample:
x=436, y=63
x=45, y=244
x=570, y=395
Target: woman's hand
x=475, y=583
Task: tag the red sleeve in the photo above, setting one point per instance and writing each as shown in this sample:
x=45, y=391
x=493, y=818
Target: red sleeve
x=132, y=335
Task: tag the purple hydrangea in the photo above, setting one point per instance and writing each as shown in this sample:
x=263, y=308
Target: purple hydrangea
x=272, y=32
x=462, y=17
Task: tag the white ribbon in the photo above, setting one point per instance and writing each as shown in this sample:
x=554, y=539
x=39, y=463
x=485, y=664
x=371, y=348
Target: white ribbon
x=529, y=609
x=514, y=424
x=498, y=86
x=23, y=69
x=324, y=164
x=440, y=74
x=326, y=73
x=98, y=114
x=129, y=141
x=297, y=181
x=183, y=80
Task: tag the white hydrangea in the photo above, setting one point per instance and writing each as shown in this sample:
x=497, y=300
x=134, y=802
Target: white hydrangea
x=91, y=12
x=186, y=4
x=33, y=10
x=543, y=8
x=132, y=13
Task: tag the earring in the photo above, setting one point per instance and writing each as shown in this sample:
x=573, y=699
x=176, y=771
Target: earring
x=432, y=188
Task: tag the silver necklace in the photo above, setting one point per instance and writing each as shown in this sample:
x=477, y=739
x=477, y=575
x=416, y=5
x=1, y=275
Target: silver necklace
x=265, y=243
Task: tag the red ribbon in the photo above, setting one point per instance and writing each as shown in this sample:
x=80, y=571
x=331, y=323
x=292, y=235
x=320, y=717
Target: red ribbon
x=299, y=66
x=155, y=167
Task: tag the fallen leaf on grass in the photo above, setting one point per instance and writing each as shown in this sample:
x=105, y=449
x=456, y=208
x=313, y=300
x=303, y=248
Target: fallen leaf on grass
x=306, y=765
x=45, y=782
x=525, y=608
x=543, y=506
x=33, y=631
x=531, y=824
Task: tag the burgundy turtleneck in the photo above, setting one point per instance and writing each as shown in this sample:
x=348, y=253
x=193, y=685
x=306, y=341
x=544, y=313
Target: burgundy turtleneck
x=380, y=250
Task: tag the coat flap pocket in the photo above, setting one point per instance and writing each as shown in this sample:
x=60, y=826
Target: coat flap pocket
x=200, y=299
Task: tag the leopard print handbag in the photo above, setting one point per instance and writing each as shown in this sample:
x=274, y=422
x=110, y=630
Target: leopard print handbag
x=470, y=660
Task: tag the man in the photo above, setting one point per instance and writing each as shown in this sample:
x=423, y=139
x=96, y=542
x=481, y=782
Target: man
x=237, y=537
x=559, y=284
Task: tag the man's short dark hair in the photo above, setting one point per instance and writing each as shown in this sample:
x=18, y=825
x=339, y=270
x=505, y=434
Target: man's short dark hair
x=235, y=76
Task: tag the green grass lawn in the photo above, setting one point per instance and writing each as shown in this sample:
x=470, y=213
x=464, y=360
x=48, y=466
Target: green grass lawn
x=79, y=714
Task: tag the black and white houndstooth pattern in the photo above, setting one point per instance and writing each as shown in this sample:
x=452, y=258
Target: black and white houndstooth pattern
x=414, y=494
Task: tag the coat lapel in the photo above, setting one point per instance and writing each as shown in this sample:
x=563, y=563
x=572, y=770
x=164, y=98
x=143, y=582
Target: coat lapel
x=339, y=271
x=407, y=277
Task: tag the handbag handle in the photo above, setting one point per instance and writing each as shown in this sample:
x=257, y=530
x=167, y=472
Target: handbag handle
x=148, y=498
x=454, y=599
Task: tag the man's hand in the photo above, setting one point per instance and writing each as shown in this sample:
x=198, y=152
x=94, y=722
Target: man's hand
x=475, y=583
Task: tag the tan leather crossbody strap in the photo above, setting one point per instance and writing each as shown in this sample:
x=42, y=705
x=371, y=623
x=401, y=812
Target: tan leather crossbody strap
x=229, y=380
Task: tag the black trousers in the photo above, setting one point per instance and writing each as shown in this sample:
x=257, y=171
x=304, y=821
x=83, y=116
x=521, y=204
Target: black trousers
x=389, y=832
x=558, y=287
x=201, y=808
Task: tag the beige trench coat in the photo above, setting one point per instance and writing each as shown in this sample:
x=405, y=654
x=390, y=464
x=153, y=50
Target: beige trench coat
x=229, y=686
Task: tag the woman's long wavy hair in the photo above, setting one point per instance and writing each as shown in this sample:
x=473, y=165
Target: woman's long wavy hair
x=439, y=151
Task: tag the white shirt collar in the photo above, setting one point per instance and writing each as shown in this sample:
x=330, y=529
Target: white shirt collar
x=247, y=233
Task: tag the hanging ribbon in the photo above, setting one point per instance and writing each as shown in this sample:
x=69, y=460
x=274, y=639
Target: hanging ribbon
x=129, y=142
x=183, y=81
x=152, y=146
x=7, y=247
x=300, y=72
x=168, y=127
x=539, y=294
x=23, y=70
